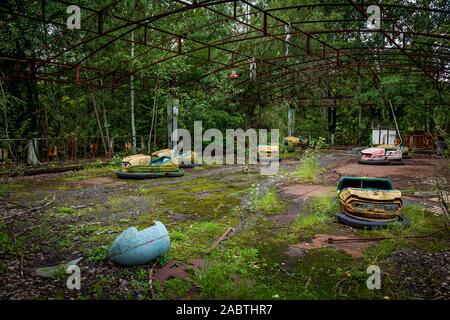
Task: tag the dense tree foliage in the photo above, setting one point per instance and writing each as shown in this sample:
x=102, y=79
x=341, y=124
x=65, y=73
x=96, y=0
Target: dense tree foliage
x=53, y=109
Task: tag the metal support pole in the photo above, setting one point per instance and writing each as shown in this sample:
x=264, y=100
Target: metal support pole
x=172, y=121
x=169, y=122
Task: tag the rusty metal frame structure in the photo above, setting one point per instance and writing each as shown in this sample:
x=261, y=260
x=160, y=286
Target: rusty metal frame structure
x=256, y=33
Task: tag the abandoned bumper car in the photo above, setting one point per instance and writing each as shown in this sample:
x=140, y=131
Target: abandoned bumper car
x=291, y=142
x=384, y=155
x=185, y=159
x=369, y=203
x=141, y=166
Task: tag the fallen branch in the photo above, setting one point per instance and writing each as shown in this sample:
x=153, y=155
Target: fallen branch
x=443, y=199
x=150, y=281
x=336, y=287
x=332, y=240
x=30, y=209
x=287, y=273
x=219, y=240
x=79, y=207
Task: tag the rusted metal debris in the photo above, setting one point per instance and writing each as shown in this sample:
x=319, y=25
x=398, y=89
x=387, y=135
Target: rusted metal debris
x=426, y=59
x=172, y=269
x=353, y=239
x=355, y=249
x=176, y=269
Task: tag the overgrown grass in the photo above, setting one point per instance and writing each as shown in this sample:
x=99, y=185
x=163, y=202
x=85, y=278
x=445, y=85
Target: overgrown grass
x=227, y=275
x=422, y=223
x=325, y=204
x=421, y=220
x=192, y=239
x=310, y=220
x=320, y=210
x=269, y=203
x=324, y=273
x=308, y=169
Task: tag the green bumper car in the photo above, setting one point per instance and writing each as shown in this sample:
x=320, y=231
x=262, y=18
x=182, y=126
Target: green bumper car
x=158, y=167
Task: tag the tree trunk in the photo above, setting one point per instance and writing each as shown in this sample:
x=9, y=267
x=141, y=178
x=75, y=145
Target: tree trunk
x=153, y=119
x=332, y=123
x=154, y=133
x=105, y=123
x=133, y=125
x=4, y=104
x=108, y=139
x=94, y=102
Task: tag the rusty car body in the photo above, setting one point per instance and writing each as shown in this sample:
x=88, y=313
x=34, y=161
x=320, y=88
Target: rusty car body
x=369, y=199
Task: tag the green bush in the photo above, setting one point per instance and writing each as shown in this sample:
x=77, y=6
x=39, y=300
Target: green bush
x=116, y=161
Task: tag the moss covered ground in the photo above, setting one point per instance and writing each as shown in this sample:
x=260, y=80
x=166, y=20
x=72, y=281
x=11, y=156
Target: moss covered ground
x=92, y=207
